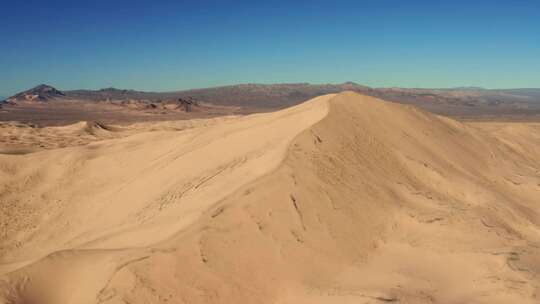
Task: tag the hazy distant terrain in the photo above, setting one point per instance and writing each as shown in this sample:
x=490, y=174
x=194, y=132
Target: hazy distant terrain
x=46, y=105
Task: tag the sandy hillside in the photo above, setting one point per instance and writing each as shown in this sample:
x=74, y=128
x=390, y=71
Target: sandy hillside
x=23, y=138
x=342, y=199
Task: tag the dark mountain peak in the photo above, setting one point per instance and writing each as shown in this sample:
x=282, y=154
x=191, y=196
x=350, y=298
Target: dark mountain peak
x=354, y=86
x=42, y=87
x=41, y=92
x=45, y=89
x=114, y=90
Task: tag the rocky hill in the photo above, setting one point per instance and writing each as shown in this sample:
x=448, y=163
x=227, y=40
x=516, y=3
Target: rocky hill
x=41, y=92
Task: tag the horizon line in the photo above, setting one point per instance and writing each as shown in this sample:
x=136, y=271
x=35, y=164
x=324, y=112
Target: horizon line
x=464, y=87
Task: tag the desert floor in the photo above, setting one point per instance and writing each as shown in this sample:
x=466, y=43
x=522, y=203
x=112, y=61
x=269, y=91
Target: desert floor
x=342, y=199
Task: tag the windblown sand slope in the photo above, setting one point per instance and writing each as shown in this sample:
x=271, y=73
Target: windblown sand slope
x=343, y=199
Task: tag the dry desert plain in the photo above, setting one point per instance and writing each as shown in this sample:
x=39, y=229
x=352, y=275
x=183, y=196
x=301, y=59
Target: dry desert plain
x=342, y=199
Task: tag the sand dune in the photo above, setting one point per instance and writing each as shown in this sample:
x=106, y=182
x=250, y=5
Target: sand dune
x=342, y=199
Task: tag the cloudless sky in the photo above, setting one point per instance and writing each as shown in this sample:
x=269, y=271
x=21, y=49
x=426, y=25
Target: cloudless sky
x=171, y=45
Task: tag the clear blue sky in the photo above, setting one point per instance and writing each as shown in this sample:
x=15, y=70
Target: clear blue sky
x=169, y=45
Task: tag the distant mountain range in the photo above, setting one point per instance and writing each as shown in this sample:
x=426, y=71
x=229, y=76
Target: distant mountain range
x=267, y=95
x=244, y=95
x=461, y=102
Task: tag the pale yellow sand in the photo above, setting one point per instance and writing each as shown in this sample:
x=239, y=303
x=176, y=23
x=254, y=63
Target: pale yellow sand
x=342, y=199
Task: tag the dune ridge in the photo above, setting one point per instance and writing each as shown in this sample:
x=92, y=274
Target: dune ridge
x=348, y=198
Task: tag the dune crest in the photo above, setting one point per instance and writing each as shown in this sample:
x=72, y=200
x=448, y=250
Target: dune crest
x=344, y=198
